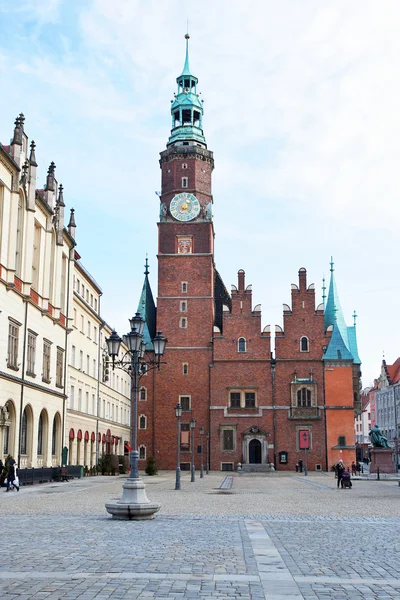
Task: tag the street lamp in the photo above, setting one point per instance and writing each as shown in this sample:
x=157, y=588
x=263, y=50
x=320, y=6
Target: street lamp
x=306, y=444
x=201, y=452
x=134, y=503
x=192, y=426
x=207, y=451
x=178, y=413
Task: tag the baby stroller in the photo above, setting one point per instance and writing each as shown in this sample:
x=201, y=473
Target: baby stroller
x=346, y=480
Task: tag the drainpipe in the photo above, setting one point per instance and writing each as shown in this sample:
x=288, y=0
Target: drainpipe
x=22, y=383
x=325, y=427
x=273, y=367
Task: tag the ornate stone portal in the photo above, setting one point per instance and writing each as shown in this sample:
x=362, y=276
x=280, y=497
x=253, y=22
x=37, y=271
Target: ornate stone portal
x=255, y=446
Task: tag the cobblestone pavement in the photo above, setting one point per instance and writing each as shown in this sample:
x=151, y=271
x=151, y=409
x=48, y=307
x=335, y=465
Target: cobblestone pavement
x=277, y=536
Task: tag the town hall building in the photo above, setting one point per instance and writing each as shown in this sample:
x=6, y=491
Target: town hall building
x=253, y=405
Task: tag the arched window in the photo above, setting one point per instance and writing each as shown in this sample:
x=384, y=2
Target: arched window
x=242, y=344
x=142, y=422
x=40, y=436
x=143, y=393
x=24, y=432
x=304, y=397
x=142, y=453
x=304, y=344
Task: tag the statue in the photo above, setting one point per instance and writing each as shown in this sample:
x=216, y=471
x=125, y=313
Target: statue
x=378, y=440
x=163, y=212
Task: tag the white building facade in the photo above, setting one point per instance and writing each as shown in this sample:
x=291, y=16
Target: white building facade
x=52, y=393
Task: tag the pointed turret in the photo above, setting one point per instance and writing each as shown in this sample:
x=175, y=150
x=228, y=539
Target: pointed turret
x=187, y=108
x=147, y=309
x=72, y=224
x=32, y=157
x=343, y=341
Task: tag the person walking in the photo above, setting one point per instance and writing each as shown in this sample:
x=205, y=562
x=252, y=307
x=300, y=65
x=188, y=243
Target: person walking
x=339, y=471
x=12, y=475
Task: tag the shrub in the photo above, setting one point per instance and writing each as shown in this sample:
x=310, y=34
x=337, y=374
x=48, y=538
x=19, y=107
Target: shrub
x=151, y=468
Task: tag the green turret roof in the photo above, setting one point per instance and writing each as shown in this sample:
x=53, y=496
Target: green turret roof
x=187, y=108
x=147, y=310
x=343, y=342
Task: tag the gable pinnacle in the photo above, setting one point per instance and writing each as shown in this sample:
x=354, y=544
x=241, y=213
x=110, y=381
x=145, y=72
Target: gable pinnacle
x=32, y=157
x=146, y=267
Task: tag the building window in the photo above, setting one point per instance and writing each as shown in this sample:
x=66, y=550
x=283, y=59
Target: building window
x=239, y=399
x=184, y=287
x=228, y=439
x=250, y=400
x=183, y=306
x=95, y=304
x=88, y=364
x=304, y=344
x=40, y=436
x=81, y=360
x=341, y=440
x=88, y=329
x=87, y=402
x=143, y=393
x=184, y=401
x=46, y=361
x=24, y=432
x=241, y=344
x=83, y=291
x=91, y=299
x=183, y=323
x=80, y=400
x=31, y=354
x=184, y=182
x=235, y=400
x=142, y=422
x=73, y=356
x=19, y=236
x=185, y=368
x=59, y=367
x=54, y=437
x=13, y=334
x=303, y=397
x=185, y=436
x=72, y=397
x=184, y=166
x=36, y=257
x=95, y=335
x=142, y=452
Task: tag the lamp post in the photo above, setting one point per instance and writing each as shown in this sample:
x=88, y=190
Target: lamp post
x=207, y=451
x=193, y=471
x=201, y=452
x=134, y=504
x=306, y=444
x=178, y=413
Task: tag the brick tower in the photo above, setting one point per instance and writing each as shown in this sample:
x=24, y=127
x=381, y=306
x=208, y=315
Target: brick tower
x=186, y=273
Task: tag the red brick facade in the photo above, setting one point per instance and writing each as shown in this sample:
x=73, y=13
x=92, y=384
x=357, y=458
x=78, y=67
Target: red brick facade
x=256, y=407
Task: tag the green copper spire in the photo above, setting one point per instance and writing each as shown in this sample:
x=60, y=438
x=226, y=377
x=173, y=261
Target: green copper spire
x=187, y=109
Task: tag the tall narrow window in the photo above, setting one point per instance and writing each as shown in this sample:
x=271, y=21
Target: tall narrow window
x=73, y=355
x=46, y=361
x=19, y=236
x=72, y=397
x=54, y=438
x=36, y=257
x=304, y=397
x=13, y=335
x=184, y=287
x=143, y=393
x=31, y=354
x=80, y=400
x=183, y=306
x=184, y=401
x=185, y=368
x=63, y=303
x=40, y=436
x=235, y=400
x=183, y=323
x=87, y=403
x=242, y=344
x=184, y=182
x=227, y=439
x=304, y=344
x=142, y=422
x=250, y=400
x=59, y=367
x=24, y=432
x=142, y=452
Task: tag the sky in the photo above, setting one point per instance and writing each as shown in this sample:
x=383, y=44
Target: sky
x=301, y=112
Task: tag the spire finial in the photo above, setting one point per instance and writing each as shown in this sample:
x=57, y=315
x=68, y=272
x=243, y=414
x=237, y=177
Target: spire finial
x=323, y=291
x=332, y=263
x=146, y=266
x=355, y=315
x=32, y=157
x=60, y=200
x=335, y=310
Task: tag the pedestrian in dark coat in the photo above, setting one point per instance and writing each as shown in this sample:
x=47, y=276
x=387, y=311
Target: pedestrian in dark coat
x=11, y=475
x=339, y=471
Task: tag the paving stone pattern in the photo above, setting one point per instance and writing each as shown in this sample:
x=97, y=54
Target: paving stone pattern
x=311, y=543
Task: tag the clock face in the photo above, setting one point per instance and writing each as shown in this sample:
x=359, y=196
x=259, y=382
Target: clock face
x=184, y=207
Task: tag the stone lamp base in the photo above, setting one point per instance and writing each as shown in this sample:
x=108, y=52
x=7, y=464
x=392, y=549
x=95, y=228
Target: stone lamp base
x=134, y=504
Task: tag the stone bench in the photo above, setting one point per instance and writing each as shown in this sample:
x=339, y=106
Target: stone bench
x=226, y=484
